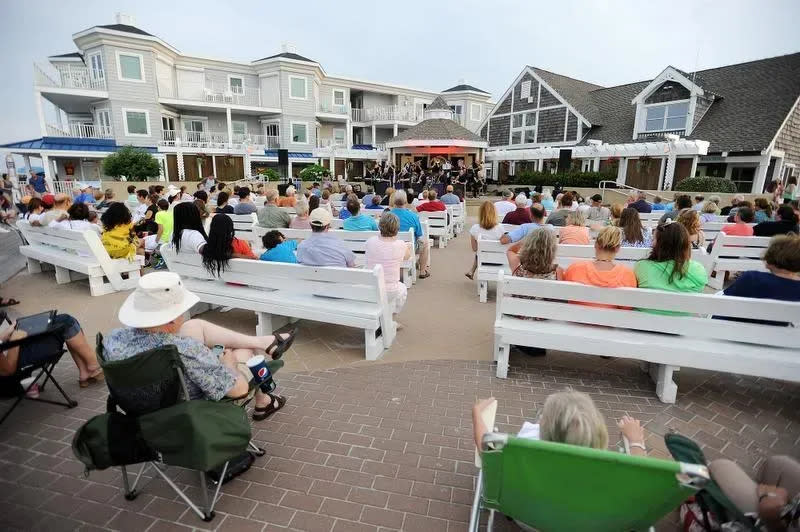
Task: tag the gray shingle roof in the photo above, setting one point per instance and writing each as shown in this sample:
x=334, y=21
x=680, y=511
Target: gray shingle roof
x=438, y=103
x=575, y=91
x=438, y=129
x=126, y=28
x=288, y=55
x=464, y=87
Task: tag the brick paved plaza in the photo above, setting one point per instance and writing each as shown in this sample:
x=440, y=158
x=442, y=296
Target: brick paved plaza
x=368, y=446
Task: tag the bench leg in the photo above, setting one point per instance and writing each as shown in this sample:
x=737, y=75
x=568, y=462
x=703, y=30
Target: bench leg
x=63, y=275
x=34, y=266
x=264, y=327
x=501, y=357
x=483, y=291
x=717, y=281
x=98, y=287
x=666, y=389
x=373, y=345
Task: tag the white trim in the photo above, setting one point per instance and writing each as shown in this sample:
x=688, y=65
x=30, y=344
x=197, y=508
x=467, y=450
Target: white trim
x=141, y=66
x=305, y=84
x=236, y=76
x=89, y=56
x=125, y=112
x=668, y=74
x=169, y=113
x=344, y=96
x=291, y=133
x=53, y=58
x=190, y=68
x=194, y=117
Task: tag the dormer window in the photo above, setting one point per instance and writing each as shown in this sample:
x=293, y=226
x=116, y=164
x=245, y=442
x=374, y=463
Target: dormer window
x=668, y=117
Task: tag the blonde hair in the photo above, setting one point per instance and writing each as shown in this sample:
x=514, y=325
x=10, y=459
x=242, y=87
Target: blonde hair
x=538, y=251
x=609, y=238
x=576, y=218
x=572, y=417
x=616, y=210
x=487, y=216
x=710, y=207
x=690, y=220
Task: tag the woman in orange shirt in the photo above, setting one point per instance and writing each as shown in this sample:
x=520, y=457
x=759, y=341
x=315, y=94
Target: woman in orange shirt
x=575, y=232
x=290, y=200
x=603, y=271
x=222, y=245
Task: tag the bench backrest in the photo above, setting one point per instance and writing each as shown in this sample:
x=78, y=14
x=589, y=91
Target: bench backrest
x=712, y=229
x=437, y=222
x=739, y=247
x=557, y=295
x=356, y=241
x=243, y=224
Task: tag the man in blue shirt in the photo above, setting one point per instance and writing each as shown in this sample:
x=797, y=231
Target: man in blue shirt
x=315, y=190
x=356, y=221
x=450, y=198
x=38, y=183
x=376, y=203
x=410, y=220
x=323, y=248
x=367, y=199
x=86, y=195
x=537, y=214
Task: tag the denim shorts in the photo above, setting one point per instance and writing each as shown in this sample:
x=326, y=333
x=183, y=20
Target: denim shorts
x=48, y=345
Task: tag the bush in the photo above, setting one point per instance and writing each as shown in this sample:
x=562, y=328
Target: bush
x=569, y=179
x=133, y=163
x=314, y=172
x=269, y=174
x=706, y=184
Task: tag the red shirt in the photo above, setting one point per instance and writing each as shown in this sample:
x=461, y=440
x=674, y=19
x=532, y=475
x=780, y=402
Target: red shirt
x=737, y=230
x=522, y=215
x=432, y=206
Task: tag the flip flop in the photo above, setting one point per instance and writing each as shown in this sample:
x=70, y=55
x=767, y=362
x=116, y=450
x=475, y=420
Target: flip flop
x=94, y=378
x=281, y=346
x=260, y=413
x=10, y=302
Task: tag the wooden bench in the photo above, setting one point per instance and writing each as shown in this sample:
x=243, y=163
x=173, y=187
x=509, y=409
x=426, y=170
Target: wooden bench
x=77, y=255
x=244, y=225
x=438, y=226
x=665, y=343
x=356, y=241
x=458, y=216
x=349, y=297
x=736, y=254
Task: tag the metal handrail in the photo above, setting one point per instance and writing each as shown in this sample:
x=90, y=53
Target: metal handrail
x=602, y=185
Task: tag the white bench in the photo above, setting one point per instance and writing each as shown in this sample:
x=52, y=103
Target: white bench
x=344, y=296
x=356, y=241
x=77, y=255
x=666, y=343
x=736, y=254
x=458, y=217
x=438, y=226
x=244, y=225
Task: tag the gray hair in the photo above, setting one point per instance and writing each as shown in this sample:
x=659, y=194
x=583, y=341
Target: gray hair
x=507, y=193
x=521, y=200
x=271, y=195
x=576, y=218
x=400, y=198
x=572, y=417
x=389, y=224
x=290, y=190
x=301, y=208
x=715, y=199
x=641, y=194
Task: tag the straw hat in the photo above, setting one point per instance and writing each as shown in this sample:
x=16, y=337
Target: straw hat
x=159, y=298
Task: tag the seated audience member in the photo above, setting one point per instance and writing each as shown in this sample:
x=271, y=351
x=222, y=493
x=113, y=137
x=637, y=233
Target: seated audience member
x=387, y=197
x=741, y=226
x=517, y=234
x=300, y=221
x=505, y=205
x=325, y=202
x=98, y=197
x=357, y=220
x=690, y=219
x=222, y=204
x=34, y=209
x=419, y=200
x=153, y=316
x=603, y=271
x=367, y=198
x=558, y=217
x=163, y=232
x=709, y=212
x=323, y=248
x=781, y=281
x=61, y=202
x=739, y=205
x=118, y=236
x=547, y=201
x=86, y=195
x=376, y=203
x=616, y=213
x=147, y=223
x=132, y=198
x=535, y=256
x=278, y=249
x=598, y=213
x=245, y=204
x=433, y=204
x=641, y=204
x=520, y=215
x=142, y=198
x=290, y=200
x=270, y=215
x=670, y=266
x=201, y=208
x=634, y=235
x=188, y=233
x=410, y=220
x=448, y=198
x=575, y=232
x=222, y=245
x=108, y=198
x=658, y=204
x=78, y=219
x=725, y=211
x=487, y=228
x=67, y=330
x=763, y=210
x=682, y=201
x=390, y=253
x=699, y=201
x=572, y=418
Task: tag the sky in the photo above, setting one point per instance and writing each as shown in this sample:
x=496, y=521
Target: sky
x=423, y=44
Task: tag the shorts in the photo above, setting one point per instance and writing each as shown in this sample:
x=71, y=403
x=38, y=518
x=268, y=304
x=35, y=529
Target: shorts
x=397, y=298
x=48, y=345
x=150, y=242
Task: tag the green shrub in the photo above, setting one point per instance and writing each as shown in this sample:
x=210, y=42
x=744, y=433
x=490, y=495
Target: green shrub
x=134, y=163
x=314, y=172
x=706, y=184
x=269, y=174
x=568, y=179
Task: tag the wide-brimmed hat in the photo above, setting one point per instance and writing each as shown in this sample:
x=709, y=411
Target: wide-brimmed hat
x=159, y=298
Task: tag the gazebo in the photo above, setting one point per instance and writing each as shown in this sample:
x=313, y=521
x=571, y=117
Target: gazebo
x=437, y=136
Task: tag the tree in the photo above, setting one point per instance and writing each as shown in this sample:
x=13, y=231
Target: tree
x=314, y=172
x=134, y=163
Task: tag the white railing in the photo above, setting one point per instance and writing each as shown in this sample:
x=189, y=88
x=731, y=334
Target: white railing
x=70, y=77
x=386, y=112
x=80, y=131
x=327, y=143
x=204, y=139
x=168, y=137
x=214, y=94
x=332, y=108
x=265, y=141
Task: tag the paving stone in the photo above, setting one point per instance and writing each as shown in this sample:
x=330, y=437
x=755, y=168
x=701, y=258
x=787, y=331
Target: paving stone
x=311, y=522
x=382, y=517
x=342, y=509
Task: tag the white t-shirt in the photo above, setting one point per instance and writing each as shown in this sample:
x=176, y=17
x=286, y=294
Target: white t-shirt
x=478, y=232
x=192, y=241
x=389, y=254
x=76, y=225
x=504, y=207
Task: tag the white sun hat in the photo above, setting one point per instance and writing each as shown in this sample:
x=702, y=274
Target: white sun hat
x=159, y=299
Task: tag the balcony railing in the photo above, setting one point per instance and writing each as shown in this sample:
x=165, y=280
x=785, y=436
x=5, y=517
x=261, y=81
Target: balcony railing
x=260, y=141
x=386, y=113
x=80, y=131
x=214, y=94
x=327, y=143
x=332, y=108
x=217, y=139
x=642, y=135
x=71, y=77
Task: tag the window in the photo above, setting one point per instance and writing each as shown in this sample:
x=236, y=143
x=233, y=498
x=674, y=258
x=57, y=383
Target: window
x=525, y=89
x=338, y=97
x=299, y=133
x=167, y=123
x=517, y=121
x=516, y=137
x=666, y=117
x=523, y=128
x=137, y=122
x=238, y=128
x=339, y=137
x=236, y=85
x=96, y=66
x=530, y=119
x=475, y=112
x=530, y=136
x=129, y=67
x=272, y=130
x=196, y=126
x=457, y=109
x=103, y=123
x=298, y=89
x=743, y=178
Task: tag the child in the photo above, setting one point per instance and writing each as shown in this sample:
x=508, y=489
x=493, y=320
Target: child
x=278, y=249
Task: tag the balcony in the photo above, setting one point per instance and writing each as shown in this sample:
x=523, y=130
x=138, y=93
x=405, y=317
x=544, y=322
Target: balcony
x=386, y=113
x=71, y=77
x=80, y=131
x=267, y=142
x=217, y=140
x=247, y=96
x=333, y=109
x=649, y=135
x=327, y=143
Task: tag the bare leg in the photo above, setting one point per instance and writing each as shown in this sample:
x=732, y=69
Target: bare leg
x=83, y=354
x=424, y=263
x=210, y=334
x=474, y=266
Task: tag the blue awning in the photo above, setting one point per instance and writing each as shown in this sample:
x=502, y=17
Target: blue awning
x=69, y=144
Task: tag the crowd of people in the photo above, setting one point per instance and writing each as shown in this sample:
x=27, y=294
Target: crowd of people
x=415, y=175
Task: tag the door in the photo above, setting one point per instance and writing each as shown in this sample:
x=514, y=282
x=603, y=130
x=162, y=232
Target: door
x=103, y=123
x=643, y=173
x=172, y=167
x=96, y=71
x=168, y=129
x=193, y=130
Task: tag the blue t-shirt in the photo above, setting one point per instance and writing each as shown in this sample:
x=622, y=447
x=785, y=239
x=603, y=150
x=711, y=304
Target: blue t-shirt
x=408, y=220
x=362, y=222
x=84, y=198
x=344, y=214
x=283, y=252
x=659, y=207
x=764, y=285
x=373, y=206
x=520, y=232
x=38, y=183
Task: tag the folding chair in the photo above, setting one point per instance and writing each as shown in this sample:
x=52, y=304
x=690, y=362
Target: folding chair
x=148, y=382
x=45, y=369
x=558, y=487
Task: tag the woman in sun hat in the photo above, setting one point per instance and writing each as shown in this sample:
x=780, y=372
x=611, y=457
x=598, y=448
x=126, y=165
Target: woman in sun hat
x=155, y=316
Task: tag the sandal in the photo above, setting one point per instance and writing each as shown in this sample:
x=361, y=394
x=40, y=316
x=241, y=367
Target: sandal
x=94, y=378
x=282, y=345
x=424, y=275
x=469, y=276
x=10, y=302
x=260, y=413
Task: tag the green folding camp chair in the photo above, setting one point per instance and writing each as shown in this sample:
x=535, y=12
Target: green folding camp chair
x=555, y=487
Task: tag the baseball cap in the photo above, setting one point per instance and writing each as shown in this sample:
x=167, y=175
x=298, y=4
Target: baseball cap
x=48, y=199
x=320, y=217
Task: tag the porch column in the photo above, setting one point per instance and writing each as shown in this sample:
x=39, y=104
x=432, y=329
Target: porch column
x=48, y=172
x=622, y=170
x=540, y=165
x=395, y=129
x=230, y=126
x=596, y=164
x=693, y=171
x=661, y=173
x=40, y=112
x=58, y=119
x=349, y=134
x=761, y=173
x=166, y=168
x=373, y=141
x=181, y=168
x=332, y=164
x=670, y=172
x=248, y=165
x=214, y=165
x=289, y=171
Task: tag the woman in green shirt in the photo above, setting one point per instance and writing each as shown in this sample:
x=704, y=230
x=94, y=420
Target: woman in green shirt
x=670, y=266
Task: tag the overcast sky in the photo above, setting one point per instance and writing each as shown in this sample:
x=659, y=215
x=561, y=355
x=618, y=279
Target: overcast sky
x=424, y=44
